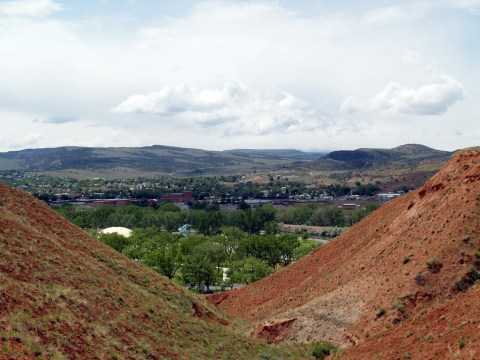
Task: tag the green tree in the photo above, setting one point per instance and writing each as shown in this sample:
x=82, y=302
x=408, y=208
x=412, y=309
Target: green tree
x=247, y=270
x=287, y=245
x=168, y=206
x=166, y=260
x=209, y=222
x=271, y=227
x=214, y=251
x=115, y=241
x=231, y=238
x=198, y=271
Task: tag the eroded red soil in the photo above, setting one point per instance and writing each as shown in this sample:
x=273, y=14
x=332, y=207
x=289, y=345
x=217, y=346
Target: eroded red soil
x=393, y=273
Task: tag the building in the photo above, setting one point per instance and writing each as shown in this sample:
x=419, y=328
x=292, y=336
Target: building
x=350, y=206
x=111, y=202
x=117, y=230
x=177, y=197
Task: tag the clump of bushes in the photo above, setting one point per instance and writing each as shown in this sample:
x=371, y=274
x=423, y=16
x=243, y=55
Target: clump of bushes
x=322, y=349
x=399, y=305
x=381, y=312
x=468, y=280
x=477, y=259
x=406, y=259
x=434, y=265
x=419, y=279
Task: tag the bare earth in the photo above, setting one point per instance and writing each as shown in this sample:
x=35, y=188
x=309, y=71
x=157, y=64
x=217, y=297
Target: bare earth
x=363, y=290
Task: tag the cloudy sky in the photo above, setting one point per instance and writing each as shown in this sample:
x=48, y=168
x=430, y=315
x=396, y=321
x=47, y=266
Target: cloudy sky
x=223, y=74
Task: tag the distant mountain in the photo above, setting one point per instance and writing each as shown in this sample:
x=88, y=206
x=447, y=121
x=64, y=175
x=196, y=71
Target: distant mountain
x=131, y=161
x=118, y=162
x=404, y=155
x=279, y=153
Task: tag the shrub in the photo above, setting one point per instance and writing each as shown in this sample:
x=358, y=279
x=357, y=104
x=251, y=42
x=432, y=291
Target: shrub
x=461, y=343
x=399, y=305
x=460, y=286
x=381, y=311
x=434, y=265
x=419, y=279
x=323, y=349
x=406, y=259
x=1, y=202
x=468, y=280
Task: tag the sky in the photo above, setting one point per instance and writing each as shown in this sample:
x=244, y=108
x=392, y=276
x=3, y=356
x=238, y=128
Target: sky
x=222, y=74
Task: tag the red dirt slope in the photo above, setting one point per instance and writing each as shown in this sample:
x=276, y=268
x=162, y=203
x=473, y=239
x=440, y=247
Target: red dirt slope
x=392, y=274
x=63, y=294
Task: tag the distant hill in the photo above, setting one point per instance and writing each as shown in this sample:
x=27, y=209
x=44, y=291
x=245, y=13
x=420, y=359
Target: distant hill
x=128, y=162
x=402, y=283
x=278, y=153
x=148, y=161
x=66, y=295
x=361, y=159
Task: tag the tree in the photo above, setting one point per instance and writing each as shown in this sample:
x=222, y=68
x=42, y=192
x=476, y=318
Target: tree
x=168, y=206
x=231, y=238
x=329, y=216
x=214, y=251
x=166, y=261
x=159, y=250
x=99, y=217
x=209, y=222
x=115, y=241
x=271, y=227
x=287, y=245
x=243, y=206
x=247, y=270
x=198, y=271
x=304, y=235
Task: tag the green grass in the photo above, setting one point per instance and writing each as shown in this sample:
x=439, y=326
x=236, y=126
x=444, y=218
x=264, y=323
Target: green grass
x=77, y=296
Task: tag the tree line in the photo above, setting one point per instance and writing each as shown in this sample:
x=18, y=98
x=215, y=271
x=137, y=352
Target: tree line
x=209, y=222
x=197, y=260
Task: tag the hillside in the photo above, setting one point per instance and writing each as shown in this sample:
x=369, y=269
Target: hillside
x=399, y=284
x=63, y=294
x=278, y=153
x=142, y=161
x=361, y=159
x=157, y=160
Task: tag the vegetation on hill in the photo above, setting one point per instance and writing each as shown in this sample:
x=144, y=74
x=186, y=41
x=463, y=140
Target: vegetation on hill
x=211, y=221
x=197, y=261
x=149, y=160
x=163, y=160
x=63, y=294
x=402, y=283
x=247, y=242
x=404, y=155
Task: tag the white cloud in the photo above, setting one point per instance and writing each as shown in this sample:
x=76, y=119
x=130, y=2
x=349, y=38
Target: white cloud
x=408, y=11
x=434, y=98
x=30, y=8
x=90, y=60
x=58, y=119
x=236, y=108
x=29, y=141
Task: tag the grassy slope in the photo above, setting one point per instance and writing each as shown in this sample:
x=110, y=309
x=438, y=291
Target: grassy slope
x=151, y=160
x=63, y=294
x=401, y=156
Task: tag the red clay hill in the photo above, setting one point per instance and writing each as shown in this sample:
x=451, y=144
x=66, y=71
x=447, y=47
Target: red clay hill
x=403, y=283
x=63, y=294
